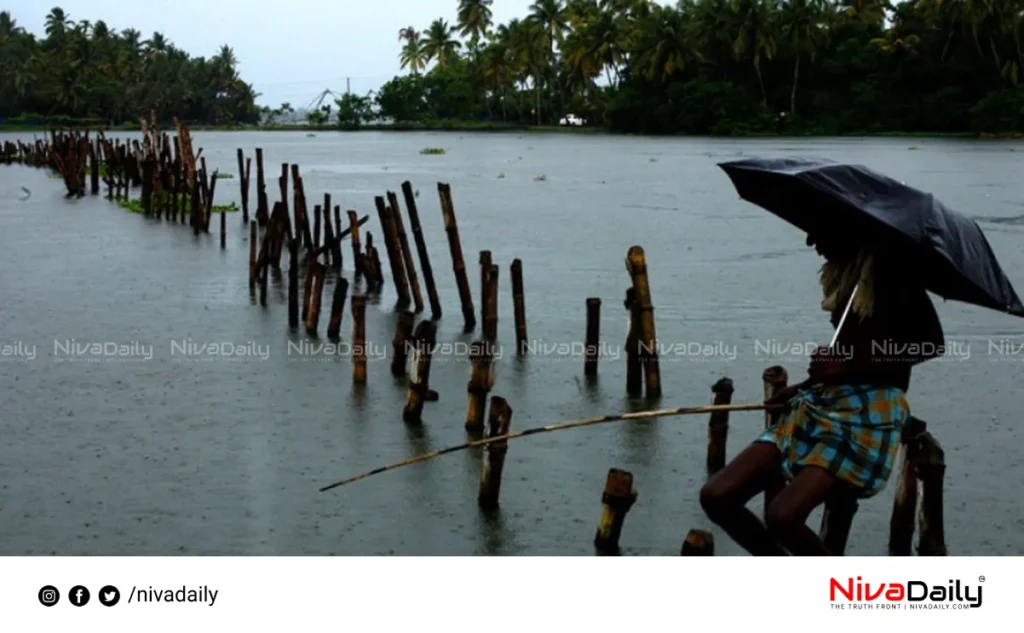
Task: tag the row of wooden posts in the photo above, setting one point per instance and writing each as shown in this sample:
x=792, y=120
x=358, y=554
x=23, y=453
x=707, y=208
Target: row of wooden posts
x=173, y=177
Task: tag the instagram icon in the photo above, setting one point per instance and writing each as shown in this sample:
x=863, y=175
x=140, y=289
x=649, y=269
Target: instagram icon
x=49, y=596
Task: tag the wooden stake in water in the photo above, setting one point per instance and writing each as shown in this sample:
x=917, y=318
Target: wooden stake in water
x=421, y=250
x=618, y=497
x=499, y=420
x=313, y=317
x=481, y=357
x=698, y=543
x=253, y=239
x=293, y=280
x=243, y=183
x=357, y=255
x=262, y=207
x=403, y=336
x=337, y=308
x=403, y=244
x=593, y=336
x=485, y=269
x=444, y=191
x=394, y=250
x=359, y=339
x=519, y=305
x=636, y=265
x=419, y=381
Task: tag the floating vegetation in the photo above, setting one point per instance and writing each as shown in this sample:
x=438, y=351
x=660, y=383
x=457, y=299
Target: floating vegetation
x=912, y=148
x=222, y=176
x=310, y=135
x=652, y=160
x=541, y=178
x=433, y=151
x=501, y=175
x=135, y=206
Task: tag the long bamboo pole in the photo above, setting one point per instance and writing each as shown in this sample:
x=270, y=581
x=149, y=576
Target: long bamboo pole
x=558, y=426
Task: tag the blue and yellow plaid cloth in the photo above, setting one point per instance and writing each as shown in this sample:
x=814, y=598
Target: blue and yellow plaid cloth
x=852, y=431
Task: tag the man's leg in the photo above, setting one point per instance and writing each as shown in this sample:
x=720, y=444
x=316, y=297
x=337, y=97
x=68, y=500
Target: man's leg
x=725, y=496
x=788, y=511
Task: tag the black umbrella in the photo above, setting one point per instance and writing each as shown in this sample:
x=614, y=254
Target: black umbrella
x=821, y=196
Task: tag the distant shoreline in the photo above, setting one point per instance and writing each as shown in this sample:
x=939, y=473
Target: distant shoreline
x=508, y=127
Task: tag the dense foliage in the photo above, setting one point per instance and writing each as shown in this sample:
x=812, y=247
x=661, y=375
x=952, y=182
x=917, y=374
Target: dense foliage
x=84, y=70
x=722, y=66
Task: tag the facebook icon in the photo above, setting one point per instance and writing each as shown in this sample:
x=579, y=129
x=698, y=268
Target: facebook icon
x=79, y=596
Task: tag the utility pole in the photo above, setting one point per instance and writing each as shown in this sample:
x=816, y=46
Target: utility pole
x=348, y=85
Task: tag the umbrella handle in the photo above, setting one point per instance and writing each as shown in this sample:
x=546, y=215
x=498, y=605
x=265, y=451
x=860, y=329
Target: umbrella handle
x=846, y=312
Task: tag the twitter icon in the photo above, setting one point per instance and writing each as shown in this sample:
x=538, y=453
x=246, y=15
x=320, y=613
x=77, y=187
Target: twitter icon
x=109, y=596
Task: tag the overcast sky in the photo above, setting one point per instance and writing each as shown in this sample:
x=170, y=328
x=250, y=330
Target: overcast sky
x=290, y=50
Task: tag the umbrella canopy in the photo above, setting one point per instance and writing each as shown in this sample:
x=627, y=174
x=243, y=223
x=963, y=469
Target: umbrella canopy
x=821, y=196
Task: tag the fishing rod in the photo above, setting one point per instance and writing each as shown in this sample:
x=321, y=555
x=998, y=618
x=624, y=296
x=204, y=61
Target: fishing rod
x=558, y=426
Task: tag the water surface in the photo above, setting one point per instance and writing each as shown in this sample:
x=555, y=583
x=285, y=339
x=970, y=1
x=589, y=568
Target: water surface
x=171, y=456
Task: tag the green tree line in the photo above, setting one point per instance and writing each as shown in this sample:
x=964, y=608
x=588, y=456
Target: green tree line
x=721, y=66
x=87, y=70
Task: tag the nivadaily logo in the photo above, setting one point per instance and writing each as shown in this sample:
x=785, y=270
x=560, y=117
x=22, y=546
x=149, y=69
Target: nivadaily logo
x=913, y=594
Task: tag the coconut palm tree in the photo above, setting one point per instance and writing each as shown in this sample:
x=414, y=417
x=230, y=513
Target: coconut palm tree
x=803, y=28
x=412, y=55
x=755, y=38
x=474, y=19
x=440, y=44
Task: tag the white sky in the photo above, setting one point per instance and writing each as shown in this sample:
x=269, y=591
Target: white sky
x=290, y=51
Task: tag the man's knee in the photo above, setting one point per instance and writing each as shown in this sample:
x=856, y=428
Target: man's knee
x=715, y=502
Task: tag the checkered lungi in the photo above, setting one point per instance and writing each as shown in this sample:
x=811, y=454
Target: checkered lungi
x=852, y=431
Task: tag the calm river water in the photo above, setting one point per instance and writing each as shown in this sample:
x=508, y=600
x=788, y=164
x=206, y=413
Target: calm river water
x=162, y=453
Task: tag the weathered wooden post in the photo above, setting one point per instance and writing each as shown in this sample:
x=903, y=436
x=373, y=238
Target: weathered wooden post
x=223, y=229
x=485, y=269
x=253, y=240
x=403, y=244
x=490, y=327
x=499, y=421
x=904, y=506
x=775, y=378
x=444, y=191
x=481, y=357
x=593, y=336
x=519, y=305
x=359, y=339
x=718, y=425
x=315, y=299
x=394, y=250
x=421, y=250
x=930, y=462
x=293, y=280
x=698, y=543
x=618, y=497
x=337, y=308
x=634, y=375
x=243, y=184
x=357, y=259
x=94, y=169
x=419, y=381
x=262, y=209
x=316, y=227
x=403, y=335
x=636, y=265
x=336, y=257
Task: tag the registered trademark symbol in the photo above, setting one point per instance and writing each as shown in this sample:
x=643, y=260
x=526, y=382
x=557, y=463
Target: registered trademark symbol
x=981, y=579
